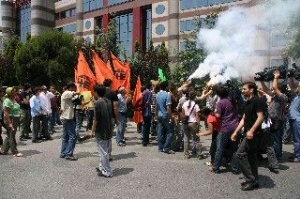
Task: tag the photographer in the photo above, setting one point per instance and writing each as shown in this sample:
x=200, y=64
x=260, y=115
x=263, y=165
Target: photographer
x=78, y=101
x=67, y=114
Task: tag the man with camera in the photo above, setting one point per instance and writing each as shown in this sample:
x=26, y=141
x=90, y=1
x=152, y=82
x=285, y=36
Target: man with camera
x=69, y=137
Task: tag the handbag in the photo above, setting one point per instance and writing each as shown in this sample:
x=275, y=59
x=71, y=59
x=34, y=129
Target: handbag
x=185, y=119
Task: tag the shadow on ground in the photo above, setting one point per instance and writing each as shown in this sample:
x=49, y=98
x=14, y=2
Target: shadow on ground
x=124, y=156
x=27, y=153
x=122, y=171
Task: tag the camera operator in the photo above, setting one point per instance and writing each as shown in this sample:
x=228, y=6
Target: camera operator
x=67, y=114
x=277, y=112
x=78, y=101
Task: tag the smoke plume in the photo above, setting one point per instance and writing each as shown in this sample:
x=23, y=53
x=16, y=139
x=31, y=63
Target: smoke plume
x=239, y=35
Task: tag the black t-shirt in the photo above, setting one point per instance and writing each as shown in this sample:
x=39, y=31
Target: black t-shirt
x=103, y=116
x=25, y=95
x=113, y=97
x=251, y=108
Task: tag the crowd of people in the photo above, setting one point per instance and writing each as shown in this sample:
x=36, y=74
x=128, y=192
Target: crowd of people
x=240, y=132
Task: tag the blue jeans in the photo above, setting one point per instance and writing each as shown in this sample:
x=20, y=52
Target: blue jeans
x=68, y=138
x=121, y=127
x=277, y=131
x=146, y=129
x=222, y=141
x=296, y=129
x=165, y=133
x=79, y=119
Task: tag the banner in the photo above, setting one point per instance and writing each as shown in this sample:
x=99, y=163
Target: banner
x=122, y=73
x=84, y=77
x=102, y=71
x=137, y=115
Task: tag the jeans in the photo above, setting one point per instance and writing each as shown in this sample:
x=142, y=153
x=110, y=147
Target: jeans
x=146, y=129
x=90, y=118
x=25, y=122
x=247, y=155
x=277, y=131
x=165, y=133
x=296, y=128
x=68, y=138
x=179, y=140
x=222, y=141
x=213, y=146
x=121, y=127
x=287, y=131
x=78, y=119
x=103, y=148
x=153, y=127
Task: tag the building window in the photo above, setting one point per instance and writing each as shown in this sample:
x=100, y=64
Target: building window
x=148, y=28
x=25, y=21
x=189, y=4
x=90, y=5
x=160, y=29
x=187, y=25
x=160, y=9
x=113, y=2
x=71, y=28
x=124, y=32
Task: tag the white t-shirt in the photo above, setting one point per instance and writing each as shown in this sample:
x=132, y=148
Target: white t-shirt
x=187, y=110
x=67, y=105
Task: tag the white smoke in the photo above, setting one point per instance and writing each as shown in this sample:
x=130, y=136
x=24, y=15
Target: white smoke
x=232, y=43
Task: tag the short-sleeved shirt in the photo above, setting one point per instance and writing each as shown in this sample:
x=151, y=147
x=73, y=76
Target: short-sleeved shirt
x=14, y=107
x=122, y=104
x=294, y=110
x=252, y=107
x=277, y=107
x=112, y=96
x=103, y=115
x=228, y=115
x=163, y=99
x=27, y=96
x=190, y=111
x=216, y=122
x=67, y=106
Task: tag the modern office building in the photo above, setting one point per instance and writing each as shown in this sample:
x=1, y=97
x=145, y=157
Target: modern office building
x=137, y=20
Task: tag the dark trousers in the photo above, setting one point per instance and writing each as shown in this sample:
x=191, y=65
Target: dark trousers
x=90, y=118
x=10, y=140
x=213, y=146
x=146, y=129
x=247, y=156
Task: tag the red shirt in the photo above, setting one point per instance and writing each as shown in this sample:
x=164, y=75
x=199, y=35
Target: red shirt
x=216, y=122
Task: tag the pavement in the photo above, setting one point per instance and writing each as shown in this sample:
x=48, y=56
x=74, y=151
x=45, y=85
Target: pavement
x=139, y=172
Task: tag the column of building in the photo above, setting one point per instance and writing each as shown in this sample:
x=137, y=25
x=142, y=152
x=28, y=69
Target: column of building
x=42, y=16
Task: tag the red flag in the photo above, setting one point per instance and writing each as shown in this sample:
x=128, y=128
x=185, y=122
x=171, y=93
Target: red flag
x=137, y=115
x=84, y=77
x=122, y=73
x=101, y=69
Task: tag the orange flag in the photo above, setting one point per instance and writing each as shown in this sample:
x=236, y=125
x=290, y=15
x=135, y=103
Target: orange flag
x=137, y=115
x=84, y=77
x=101, y=69
x=122, y=73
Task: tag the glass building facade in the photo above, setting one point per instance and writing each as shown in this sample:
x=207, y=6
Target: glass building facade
x=90, y=5
x=148, y=29
x=189, y=4
x=25, y=21
x=124, y=32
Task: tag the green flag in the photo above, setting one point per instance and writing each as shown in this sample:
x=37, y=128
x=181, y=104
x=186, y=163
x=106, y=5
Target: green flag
x=161, y=75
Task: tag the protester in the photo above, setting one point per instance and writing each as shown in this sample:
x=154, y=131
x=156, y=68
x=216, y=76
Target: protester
x=67, y=113
x=25, y=112
x=102, y=129
x=147, y=114
x=251, y=121
x=36, y=112
x=11, y=114
x=191, y=110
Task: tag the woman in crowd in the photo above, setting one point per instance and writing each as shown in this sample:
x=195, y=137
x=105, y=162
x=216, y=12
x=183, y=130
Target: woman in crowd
x=11, y=119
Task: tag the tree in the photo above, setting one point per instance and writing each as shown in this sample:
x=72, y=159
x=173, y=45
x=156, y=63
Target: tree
x=8, y=72
x=293, y=49
x=47, y=59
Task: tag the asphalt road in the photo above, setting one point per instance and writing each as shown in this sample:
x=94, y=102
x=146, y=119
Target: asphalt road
x=139, y=172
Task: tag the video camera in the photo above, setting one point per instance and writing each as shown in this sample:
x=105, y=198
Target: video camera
x=267, y=74
x=77, y=99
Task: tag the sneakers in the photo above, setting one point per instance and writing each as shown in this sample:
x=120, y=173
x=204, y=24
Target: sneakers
x=169, y=152
x=121, y=143
x=296, y=160
x=71, y=158
x=101, y=173
x=249, y=186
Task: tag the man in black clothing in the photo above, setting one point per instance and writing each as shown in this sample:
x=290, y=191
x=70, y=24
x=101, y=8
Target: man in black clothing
x=252, y=119
x=25, y=112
